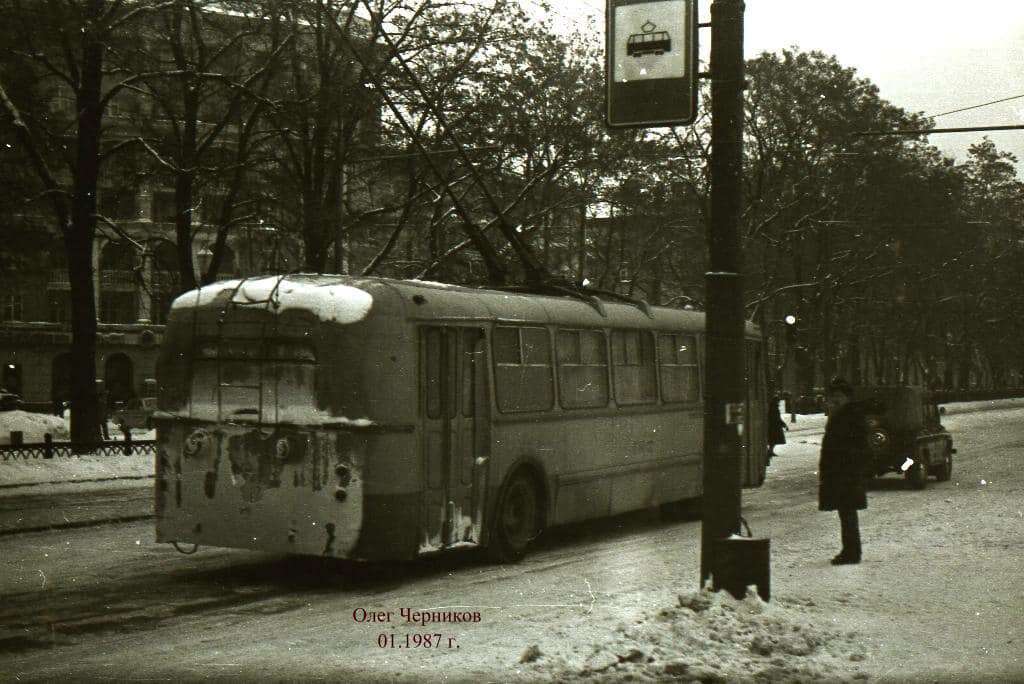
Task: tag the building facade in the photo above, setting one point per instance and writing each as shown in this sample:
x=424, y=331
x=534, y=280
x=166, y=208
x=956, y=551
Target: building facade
x=134, y=289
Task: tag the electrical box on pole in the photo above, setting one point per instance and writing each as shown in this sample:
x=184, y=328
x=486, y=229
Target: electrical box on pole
x=651, y=63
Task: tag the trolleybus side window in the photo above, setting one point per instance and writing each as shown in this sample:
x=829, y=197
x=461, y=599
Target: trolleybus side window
x=701, y=346
x=678, y=365
x=522, y=363
x=582, y=368
x=471, y=365
x=754, y=372
x=633, y=362
x=438, y=368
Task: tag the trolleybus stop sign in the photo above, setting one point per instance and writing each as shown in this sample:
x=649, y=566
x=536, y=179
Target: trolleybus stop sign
x=651, y=61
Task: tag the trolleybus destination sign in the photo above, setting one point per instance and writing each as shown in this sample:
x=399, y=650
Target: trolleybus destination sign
x=651, y=60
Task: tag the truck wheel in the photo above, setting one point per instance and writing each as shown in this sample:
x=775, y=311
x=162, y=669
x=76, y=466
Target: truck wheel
x=518, y=519
x=917, y=476
x=944, y=471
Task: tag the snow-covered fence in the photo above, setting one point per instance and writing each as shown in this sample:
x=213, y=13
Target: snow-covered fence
x=50, y=449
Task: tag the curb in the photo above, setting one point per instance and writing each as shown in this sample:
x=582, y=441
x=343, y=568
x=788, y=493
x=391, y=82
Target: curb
x=76, y=524
x=91, y=479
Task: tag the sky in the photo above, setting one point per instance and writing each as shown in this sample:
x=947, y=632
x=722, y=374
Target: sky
x=927, y=56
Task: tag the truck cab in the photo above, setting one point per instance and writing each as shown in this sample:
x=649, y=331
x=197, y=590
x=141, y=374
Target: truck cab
x=905, y=434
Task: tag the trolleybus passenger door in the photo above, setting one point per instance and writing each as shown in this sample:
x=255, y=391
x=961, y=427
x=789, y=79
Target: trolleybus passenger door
x=754, y=436
x=474, y=440
x=453, y=369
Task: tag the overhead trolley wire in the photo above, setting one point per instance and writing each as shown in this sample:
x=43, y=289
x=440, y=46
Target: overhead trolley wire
x=977, y=106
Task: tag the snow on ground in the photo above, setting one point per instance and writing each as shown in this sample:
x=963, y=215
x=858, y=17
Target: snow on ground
x=40, y=471
x=25, y=471
x=708, y=637
x=938, y=598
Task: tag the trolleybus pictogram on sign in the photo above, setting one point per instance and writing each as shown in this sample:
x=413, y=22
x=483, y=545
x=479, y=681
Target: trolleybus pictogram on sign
x=649, y=42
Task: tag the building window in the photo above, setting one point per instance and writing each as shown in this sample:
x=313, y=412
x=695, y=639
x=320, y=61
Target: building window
x=582, y=368
x=163, y=205
x=679, y=371
x=59, y=302
x=633, y=362
x=11, y=378
x=11, y=307
x=211, y=207
x=160, y=306
x=117, y=307
x=522, y=361
x=117, y=204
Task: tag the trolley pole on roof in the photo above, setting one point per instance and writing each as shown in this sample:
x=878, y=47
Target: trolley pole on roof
x=725, y=384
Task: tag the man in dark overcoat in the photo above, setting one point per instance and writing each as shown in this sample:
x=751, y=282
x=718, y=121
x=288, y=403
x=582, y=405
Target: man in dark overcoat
x=841, y=468
x=776, y=426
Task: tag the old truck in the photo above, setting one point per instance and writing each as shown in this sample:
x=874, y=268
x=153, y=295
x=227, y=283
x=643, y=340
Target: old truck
x=905, y=434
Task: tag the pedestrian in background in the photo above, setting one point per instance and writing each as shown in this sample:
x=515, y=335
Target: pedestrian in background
x=126, y=432
x=841, y=468
x=776, y=426
x=103, y=410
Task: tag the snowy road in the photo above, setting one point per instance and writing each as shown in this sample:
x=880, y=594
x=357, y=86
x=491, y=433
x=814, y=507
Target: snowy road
x=74, y=504
x=940, y=595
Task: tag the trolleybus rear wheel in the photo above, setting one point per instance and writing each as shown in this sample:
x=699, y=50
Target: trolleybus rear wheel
x=518, y=520
x=944, y=471
x=684, y=509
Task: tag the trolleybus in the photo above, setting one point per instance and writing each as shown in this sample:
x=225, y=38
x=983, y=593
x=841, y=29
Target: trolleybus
x=370, y=418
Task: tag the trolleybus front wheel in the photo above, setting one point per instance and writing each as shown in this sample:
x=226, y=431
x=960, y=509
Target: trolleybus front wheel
x=944, y=470
x=518, y=520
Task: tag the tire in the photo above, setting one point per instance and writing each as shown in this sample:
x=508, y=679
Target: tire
x=944, y=471
x=518, y=519
x=684, y=510
x=917, y=476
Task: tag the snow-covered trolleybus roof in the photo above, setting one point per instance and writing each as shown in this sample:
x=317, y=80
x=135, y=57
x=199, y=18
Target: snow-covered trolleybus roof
x=335, y=302
x=350, y=299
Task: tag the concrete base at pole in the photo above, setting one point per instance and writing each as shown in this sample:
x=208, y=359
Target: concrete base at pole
x=740, y=562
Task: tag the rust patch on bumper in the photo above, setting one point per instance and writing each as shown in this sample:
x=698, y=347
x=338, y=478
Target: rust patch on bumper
x=329, y=546
x=272, y=490
x=257, y=460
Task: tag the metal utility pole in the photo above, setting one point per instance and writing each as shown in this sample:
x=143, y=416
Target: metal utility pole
x=725, y=382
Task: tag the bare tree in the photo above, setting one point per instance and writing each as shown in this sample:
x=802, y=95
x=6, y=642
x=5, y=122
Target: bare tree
x=67, y=42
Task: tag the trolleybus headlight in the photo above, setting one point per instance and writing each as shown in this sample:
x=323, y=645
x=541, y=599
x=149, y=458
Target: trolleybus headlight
x=282, y=448
x=879, y=439
x=344, y=475
x=195, y=442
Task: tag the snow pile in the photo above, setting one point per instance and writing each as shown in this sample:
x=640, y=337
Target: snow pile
x=33, y=426
x=336, y=303
x=710, y=637
x=22, y=471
